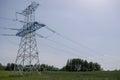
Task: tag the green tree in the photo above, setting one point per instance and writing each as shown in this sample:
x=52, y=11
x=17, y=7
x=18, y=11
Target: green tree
x=97, y=67
x=91, y=66
x=10, y=66
x=45, y=67
x=81, y=65
x=86, y=66
x=2, y=67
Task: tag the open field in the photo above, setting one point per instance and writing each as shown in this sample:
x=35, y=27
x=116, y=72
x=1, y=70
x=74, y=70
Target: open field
x=7, y=75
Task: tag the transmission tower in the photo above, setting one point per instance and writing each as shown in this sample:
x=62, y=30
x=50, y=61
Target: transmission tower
x=28, y=57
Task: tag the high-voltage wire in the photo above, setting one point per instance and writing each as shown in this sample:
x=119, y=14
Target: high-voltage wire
x=67, y=38
x=5, y=18
x=55, y=32
x=70, y=49
x=5, y=28
x=10, y=19
x=7, y=35
x=62, y=50
x=59, y=43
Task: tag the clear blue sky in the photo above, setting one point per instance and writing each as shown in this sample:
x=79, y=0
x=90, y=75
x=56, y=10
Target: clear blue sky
x=93, y=23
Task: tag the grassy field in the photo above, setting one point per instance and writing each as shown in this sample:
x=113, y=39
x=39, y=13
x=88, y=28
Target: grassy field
x=7, y=75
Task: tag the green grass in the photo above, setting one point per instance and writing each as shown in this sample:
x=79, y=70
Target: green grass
x=7, y=75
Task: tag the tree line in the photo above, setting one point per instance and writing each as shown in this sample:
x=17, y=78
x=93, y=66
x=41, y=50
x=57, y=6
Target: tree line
x=71, y=65
x=42, y=67
x=81, y=65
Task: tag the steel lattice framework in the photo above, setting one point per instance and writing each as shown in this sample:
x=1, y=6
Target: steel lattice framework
x=28, y=57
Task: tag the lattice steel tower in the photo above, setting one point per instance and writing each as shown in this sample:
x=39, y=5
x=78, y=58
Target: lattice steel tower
x=28, y=57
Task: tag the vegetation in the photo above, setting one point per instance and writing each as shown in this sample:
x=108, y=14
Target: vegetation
x=71, y=65
x=43, y=67
x=81, y=65
x=10, y=66
x=60, y=75
x=75, y=69
x=2, y=67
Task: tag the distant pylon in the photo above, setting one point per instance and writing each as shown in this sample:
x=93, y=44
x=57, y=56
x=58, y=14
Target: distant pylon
x=28, y=57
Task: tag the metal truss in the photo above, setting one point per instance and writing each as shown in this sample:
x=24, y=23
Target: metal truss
x=28, y=57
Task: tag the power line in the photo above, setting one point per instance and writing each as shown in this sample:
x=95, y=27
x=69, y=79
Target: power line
x=70, y=49
x=5, y=18
x=67, y=38
x=5, y=28
x=9, y=40
x=62, y=44
x=62, y=50
x=10, y=19
x=7, y=35
x=55, y=32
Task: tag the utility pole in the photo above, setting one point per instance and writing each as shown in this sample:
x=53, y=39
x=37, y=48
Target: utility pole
x=28, y=56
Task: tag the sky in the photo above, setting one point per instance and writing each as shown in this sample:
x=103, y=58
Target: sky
x=92, y=25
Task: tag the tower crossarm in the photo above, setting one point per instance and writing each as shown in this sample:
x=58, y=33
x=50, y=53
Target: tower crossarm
x=30, y=9
x=29, y=28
